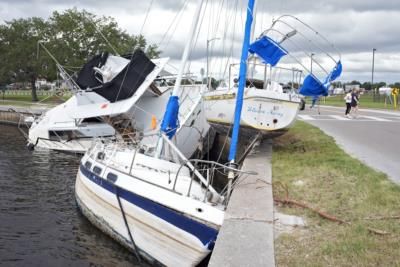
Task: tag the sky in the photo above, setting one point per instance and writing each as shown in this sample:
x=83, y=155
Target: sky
x=355, y=27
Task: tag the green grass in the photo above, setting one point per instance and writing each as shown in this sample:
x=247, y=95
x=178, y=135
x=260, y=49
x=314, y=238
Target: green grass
x=341, y=186
x=366, y=101
x=28, y=98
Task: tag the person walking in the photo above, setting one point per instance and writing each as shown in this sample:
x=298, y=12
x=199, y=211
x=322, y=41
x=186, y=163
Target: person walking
x=314, y=101
x=347, y=99
x=354, y=103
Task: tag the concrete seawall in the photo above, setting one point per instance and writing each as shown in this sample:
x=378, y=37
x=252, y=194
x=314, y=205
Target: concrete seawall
x=246, y=237
x=17, y=115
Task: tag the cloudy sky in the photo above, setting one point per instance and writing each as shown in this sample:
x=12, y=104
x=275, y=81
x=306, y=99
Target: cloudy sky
x=354, y=26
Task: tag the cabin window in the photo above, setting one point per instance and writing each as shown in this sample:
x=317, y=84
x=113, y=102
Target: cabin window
x=88, y=165
x=101, y=155
x=92, y=120
x=97, y=170
x=112, y=177
x=64, y=135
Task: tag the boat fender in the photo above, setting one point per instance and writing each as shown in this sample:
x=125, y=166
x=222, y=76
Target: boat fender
x=101, y=155
x=30, y=146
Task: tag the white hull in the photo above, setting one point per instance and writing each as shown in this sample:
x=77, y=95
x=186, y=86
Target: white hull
x=263, y=111
x=74, y=146
x=162, y=231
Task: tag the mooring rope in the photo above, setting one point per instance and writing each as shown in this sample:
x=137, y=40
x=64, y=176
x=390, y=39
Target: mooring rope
x=127, y=226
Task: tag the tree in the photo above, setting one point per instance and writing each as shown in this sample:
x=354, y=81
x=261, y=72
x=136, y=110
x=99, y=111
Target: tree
x=72, y=37
x=18, y=40
x=78, y=35
x=395, y=85
x=355, y=83
x=380, y=84
x=366, y=85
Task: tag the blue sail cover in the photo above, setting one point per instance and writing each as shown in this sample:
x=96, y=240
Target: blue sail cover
x=313, y=87
x=170, y=122
x=335, y=73
x=267, y=49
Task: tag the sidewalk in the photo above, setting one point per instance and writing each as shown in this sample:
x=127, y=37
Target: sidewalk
x=246, y=237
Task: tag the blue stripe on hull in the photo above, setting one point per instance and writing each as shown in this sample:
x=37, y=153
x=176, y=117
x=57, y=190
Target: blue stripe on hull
x=204, y=233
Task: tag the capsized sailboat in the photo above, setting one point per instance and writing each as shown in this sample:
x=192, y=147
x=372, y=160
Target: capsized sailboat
x=107, y=85
x=272, y=94
x=118, y=97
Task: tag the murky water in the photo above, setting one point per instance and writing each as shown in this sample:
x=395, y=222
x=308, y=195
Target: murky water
x=40, y=224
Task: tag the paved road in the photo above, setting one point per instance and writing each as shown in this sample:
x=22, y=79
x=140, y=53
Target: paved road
x=373, y=137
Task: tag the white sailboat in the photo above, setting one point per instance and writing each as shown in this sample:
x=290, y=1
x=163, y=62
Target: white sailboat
x=112, y=90
x=153, y=201
x=107, y=85
x=269, y=107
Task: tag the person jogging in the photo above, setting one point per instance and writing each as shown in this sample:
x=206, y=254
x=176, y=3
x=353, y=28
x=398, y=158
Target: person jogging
x=354, y=103
x=347, y=99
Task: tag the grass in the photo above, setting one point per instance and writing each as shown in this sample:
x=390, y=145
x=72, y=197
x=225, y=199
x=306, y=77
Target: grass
x=341, y=186
x=366, y=101
x=26, y=100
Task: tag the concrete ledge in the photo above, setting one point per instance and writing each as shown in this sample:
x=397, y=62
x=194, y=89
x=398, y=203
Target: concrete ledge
x=246, y=237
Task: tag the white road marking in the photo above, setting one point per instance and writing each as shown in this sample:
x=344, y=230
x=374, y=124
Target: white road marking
x=341, y=118
x=306, y=117
x=374, y=118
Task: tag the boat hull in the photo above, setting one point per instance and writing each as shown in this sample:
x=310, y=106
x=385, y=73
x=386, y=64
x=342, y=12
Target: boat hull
x=157, y=240
x=270, y=113
x=79, y=146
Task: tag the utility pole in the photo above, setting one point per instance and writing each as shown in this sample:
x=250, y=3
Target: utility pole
x=208, y=78
x=373, y=66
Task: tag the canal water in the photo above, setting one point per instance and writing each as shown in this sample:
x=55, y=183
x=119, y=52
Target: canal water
x=40, y=224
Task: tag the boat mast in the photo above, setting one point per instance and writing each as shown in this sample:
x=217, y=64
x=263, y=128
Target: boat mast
x=187, y=48
x=169, y=123
x=239, y=96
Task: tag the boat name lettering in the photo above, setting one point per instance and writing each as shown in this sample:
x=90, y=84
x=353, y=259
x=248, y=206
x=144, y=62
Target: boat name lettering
x=256, y=110
x=279, y=114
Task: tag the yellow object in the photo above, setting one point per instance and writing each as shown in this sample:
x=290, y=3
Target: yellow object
x=153, y=122
x=395, y=93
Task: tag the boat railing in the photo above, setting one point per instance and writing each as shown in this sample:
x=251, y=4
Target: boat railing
x=209, y=168
x=262, y=75
x=110, y=148
x=210, y=191
x=107, y=159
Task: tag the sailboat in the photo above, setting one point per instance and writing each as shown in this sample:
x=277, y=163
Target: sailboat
x=155, y=202
x=110, y=96
x=270, y=105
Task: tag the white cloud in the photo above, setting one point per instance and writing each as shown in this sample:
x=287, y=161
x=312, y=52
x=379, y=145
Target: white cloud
x=354, y=26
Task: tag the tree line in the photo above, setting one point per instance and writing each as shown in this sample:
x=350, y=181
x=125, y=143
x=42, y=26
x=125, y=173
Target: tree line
x=367, y=85
x=72, y=37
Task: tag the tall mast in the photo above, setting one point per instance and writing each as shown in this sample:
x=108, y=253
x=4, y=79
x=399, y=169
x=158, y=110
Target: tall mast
x=239, y=96
x=187, y=48
x=253, y=26
x=170, y=123
x=242, y=81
